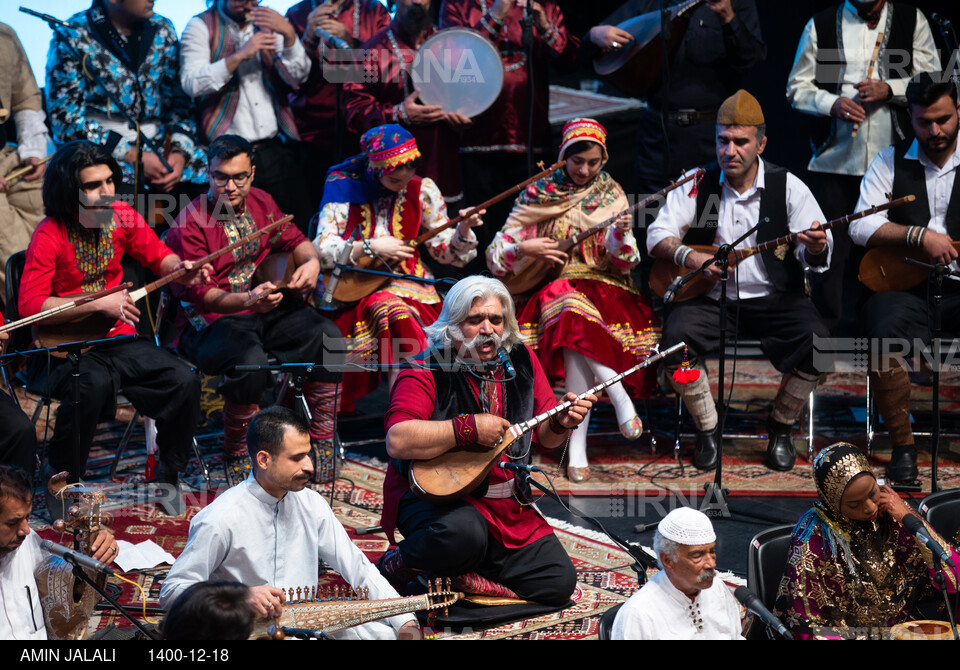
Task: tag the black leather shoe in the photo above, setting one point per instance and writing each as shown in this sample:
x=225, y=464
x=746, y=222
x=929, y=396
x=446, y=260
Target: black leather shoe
x=903, y=465
x=780, y=452
x=705, y=451
x=171, y=501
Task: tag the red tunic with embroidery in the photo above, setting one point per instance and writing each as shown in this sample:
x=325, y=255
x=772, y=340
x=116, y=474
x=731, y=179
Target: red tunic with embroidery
x=315, y=103
x=413, y=398
x=59, y=264
x=197, y=233
x=503, y=127
x=373, y=103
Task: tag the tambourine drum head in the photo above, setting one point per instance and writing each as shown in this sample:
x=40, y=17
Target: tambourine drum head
x=459, y=70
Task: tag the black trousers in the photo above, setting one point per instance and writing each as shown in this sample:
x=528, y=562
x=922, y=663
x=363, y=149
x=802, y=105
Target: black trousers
x=908, y=315
x=158, y=383
x=454, y=540
x=18, y=438
x=785, y=323
x=292, y=332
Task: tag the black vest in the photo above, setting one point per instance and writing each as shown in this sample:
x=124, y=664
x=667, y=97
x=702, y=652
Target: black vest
x=454, y=396
x=786, y=274
x=908, y=178
x=897, y=43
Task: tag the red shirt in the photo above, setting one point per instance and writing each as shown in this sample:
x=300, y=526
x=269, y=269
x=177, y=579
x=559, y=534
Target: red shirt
x=413, y=398
x=52, y=269
x=197, y=233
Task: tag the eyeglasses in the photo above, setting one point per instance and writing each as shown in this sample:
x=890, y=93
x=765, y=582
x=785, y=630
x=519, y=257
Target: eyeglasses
x=238, y=179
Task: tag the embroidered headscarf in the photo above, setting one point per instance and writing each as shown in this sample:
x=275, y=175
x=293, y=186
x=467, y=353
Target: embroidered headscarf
x=583, y=130
x=357, y=180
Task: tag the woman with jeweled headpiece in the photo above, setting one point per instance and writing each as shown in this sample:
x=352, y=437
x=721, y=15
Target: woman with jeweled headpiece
x=853, y=567
x=379, y=192
x=591, y=323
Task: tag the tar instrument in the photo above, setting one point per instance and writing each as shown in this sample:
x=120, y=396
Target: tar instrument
x=67, y=602
x=664, y=271
x=354, y=286
x=637, y=67
x=530, y=273
x=314, y=610
x=277, y=268
x=98, y=326
x=456, y=473
x=458, y=69
x=883, y=269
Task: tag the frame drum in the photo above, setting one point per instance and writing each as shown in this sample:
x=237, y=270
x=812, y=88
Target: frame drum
x=460, y=70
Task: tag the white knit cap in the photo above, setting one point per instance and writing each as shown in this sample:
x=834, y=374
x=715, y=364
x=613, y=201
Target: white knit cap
x=687, y=526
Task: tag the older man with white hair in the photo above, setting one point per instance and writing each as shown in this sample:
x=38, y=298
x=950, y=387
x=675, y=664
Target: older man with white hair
x=684, y=601
x=493, y=540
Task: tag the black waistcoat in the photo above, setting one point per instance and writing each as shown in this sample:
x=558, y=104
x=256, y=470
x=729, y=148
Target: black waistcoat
x=786, y=274
x=908, y=178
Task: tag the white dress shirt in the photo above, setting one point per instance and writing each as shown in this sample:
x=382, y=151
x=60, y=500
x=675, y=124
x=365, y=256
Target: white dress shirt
x=738, y=213
x=878, y=181
x=660, y=611
x=247, y=535
x=847, y=154
x=21, y=616
x=255, y=118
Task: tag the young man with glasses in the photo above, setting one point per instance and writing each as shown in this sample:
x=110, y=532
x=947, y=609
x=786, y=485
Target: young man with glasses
x=236, y=318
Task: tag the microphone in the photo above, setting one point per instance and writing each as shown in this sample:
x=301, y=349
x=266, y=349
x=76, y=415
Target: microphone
x=504, y=465
x=506, y=362
x=76, y=558
x=913, y=523
x=331, y=39
x=49, y=19
x=672, y=290
x=327, y=299
x=751, y=602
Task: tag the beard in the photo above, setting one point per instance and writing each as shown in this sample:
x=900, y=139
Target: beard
x=416, y=20
x=937, y=146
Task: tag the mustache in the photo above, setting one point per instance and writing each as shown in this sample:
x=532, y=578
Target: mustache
x=483, y=339
x=707, y=575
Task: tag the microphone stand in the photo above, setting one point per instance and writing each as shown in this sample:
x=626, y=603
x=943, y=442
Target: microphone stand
x=642, y=561
x=526, y=26
x=81, y=574
x=715, y=504
x=937, y=272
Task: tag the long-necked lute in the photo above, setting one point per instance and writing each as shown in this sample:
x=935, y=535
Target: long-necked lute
x=664, y=271
x=97, y=326
x=320, y=610
x=456, y=473
x=355, y=286
x=530, y=272
x=82, y=299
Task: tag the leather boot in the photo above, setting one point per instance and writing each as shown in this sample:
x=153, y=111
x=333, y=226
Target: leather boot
x=780, y=452
x=902, y=468
x=236, y=460
x=171, y=501
x=705, y=451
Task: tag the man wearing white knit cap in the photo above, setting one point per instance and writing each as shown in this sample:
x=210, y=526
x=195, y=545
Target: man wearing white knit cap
x=683, y=601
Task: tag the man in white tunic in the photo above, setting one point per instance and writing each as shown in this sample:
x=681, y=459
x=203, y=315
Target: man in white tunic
x=269, y=531
x=684, y=601
x=22, y=614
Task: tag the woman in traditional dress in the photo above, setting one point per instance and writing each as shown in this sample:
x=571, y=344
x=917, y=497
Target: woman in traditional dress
x=852, y=562
x=591, y=323
x=379, y=191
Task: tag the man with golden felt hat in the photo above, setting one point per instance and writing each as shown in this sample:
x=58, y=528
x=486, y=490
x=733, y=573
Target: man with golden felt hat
x=766, y=289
